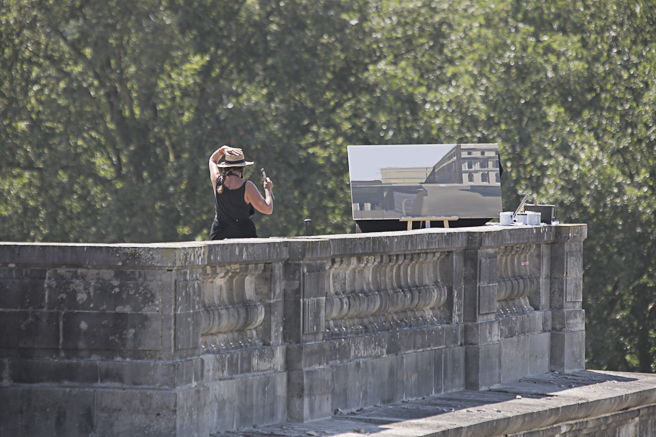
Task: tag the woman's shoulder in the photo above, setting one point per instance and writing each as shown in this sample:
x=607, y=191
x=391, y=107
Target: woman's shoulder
x=250, y=185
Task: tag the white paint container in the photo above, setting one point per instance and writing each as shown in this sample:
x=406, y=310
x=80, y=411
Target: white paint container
x=506, y=218
x=533, y=218
x=521, y=218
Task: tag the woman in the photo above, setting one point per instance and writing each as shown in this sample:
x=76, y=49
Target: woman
x=235, y=198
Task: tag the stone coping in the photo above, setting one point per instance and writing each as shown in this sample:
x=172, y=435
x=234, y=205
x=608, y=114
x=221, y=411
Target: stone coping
x=527, y=404
x=200, y=253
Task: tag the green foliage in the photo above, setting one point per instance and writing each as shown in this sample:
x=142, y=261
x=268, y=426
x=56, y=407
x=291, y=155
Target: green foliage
x=110, y=109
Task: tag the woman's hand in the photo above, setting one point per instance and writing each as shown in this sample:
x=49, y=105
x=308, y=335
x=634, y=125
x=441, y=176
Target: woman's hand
x=233, y=151
x=268, y=185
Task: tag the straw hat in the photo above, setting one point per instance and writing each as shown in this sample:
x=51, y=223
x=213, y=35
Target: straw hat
x=234, y=161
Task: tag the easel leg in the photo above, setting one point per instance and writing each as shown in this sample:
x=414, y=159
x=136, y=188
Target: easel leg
x=409, y=225
x=446, y=223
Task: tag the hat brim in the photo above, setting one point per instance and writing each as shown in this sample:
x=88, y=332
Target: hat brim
x=225, y=164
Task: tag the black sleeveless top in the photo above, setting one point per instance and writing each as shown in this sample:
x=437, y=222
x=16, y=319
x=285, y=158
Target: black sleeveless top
x=232, y=214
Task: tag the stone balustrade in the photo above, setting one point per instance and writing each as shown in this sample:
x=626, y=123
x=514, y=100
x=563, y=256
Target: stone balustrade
x=195, y=338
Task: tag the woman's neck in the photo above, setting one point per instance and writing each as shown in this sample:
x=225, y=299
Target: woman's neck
x=233, y=181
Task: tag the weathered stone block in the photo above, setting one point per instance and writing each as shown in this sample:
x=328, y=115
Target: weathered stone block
x=418, y=374
x=547, y=321
x=348, y=386
x=308, y=394
x=187, y=330
x=103, y=290
x=307, y=356
x=454, y=335
x=96, y=330
x=508, y=327
x=438, y=371
x=539, y=353
x=566, y=274
x=227, y=404
x=568, y=320
x=365, y=347
x=4, y=373
x=482, y=333
x=271, y=329
x=515, y=357
x=357, y=384
x=39, y=411
x=574, y=289
x=487, y=299
x=314, y=310
x=567, y=351
x=22, y=289
x=454, y=369
x=29, y=329
x=28, y=371
x=314, y=280
x=529, y=323
x=394, y=343
x=221, y=366
x=142, y=413
x=188, y=372
x=192, y=412
x=136, y=373
x=540, y=300
x=384, y=369
x=455, y=276
x=482, y=366
x=270, y=359
x=436, y=337
x=187, y=296
x=292, y=286
x=489, y=268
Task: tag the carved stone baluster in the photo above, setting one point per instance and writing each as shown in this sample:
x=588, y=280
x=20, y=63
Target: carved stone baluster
x=372, y=298
x=443, y=291
x=514, y=274
x=415, y=302
x=221, y=307
x=428, y=288
x=332, y=301
x=531, y=282
x=406, y=292
x=356, y=304
x=383, y=310
x=234, y=287
x=254, y=309
x=359, y=296
x=416, y=284
x=398, y=297
x=502, y=285
x=521, y=269
x=344, y=296
x=430, y=277
x=515, y=281
x=209, y=319
x=507, y=262
x=345, y=284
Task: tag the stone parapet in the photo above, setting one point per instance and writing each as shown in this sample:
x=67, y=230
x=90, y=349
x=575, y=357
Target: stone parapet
x=583, y=403
x=202, y=337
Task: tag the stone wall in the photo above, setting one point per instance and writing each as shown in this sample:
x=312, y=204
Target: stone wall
x=195, y=338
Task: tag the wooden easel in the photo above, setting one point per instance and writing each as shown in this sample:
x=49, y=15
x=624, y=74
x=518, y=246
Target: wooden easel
x=446, y=220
